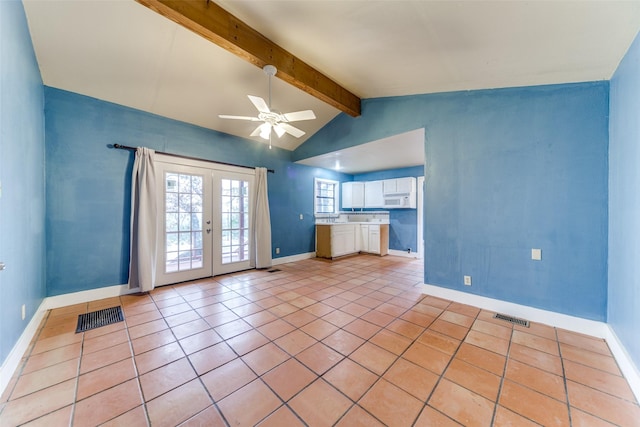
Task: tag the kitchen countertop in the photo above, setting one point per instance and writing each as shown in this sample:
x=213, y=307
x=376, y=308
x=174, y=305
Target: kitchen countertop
x=379, y=222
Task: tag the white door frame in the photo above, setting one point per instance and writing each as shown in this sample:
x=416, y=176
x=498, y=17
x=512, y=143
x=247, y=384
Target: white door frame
x=420, y=214
x=213, y=170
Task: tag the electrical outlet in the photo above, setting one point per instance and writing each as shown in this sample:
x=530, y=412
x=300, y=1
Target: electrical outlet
x=536, y=254
x=467, y=280
x=301, y=217
x=24, y=311
x=277, y=251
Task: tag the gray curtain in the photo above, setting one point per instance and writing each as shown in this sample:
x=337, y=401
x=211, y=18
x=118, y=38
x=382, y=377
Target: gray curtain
x=261, y=239
x=143, y=256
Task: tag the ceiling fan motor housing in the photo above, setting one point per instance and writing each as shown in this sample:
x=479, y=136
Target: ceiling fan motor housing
x=270, y=70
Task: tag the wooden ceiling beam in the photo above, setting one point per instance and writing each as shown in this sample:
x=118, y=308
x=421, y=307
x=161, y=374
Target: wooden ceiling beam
x=215, y=24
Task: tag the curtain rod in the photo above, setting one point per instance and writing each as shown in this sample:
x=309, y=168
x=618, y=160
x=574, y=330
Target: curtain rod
x=126, y=147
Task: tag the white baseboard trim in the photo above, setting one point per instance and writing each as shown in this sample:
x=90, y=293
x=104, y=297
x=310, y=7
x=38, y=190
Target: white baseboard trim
x=12, y=362
x=293, y=258
x=628, y=368
x=571, y=323
x=86, y=296
x=551, y=318
x=405, y=254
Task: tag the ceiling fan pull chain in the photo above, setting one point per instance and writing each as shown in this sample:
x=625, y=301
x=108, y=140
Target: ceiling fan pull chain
x=270, y=130
x=269, y=91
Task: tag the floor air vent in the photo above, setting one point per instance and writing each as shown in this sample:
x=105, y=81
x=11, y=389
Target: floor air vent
x=512, y=319
x=273, y=270
x=96, y=319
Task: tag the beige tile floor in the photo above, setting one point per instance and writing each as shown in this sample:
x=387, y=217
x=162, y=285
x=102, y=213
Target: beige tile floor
x=348, y=343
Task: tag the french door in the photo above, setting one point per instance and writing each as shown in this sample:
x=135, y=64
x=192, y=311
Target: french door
x=232, y=200
x=204, y=221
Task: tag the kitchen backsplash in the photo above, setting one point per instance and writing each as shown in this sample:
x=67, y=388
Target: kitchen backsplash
x=381, y=217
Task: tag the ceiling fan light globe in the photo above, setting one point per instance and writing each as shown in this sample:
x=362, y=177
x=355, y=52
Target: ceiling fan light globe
x=265, y=130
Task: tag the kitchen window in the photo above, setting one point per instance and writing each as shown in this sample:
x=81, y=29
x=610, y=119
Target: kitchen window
x=326, y=194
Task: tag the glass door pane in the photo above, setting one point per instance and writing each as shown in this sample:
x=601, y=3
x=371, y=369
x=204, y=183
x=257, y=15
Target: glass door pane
x=183, y=222
x=232, y=241
x=184, y=235
x=235, y=220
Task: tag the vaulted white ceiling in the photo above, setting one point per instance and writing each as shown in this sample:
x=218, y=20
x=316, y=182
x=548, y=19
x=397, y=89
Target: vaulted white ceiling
x=123, y=52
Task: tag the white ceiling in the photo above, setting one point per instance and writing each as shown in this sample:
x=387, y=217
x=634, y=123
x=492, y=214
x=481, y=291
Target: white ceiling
x=122, y=52
x=398, y=151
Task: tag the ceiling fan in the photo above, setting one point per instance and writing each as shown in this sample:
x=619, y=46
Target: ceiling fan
x=273, y=120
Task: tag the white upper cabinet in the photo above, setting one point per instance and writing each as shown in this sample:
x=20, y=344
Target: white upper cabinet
x=388, y=193
x=373, y=195
x=399, y=185
x=353, y=195
x=406, y=185
x=389, y=186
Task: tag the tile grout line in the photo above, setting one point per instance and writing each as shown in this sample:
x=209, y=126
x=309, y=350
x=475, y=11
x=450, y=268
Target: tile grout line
x=77, y=382
x=258, y=377
x=334, y=309
x=502, y=378
x=441, y=376
x=318, y=377
x=135, y=367
x=354, y=403
x=186, y=356
x=566, y=380
x=564, y=375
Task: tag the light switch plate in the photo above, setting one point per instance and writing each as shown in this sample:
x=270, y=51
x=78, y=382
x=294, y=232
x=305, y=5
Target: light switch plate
x=536, y=254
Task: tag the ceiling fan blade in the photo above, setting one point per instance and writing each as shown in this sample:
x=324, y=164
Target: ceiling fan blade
x=279, y=130
x=259, y=103
x=292, y=130
x=257, y=130
x=299, y=115
x=253, y=119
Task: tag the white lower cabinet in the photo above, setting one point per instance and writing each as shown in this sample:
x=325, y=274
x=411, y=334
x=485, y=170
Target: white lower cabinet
x=374, y=238
x=343, y=240
x=335, y=240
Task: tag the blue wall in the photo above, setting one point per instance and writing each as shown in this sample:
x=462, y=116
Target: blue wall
x=624, y=202
x=507, y=170
x=402, y=222
x=22, y=176
x=88, y=185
